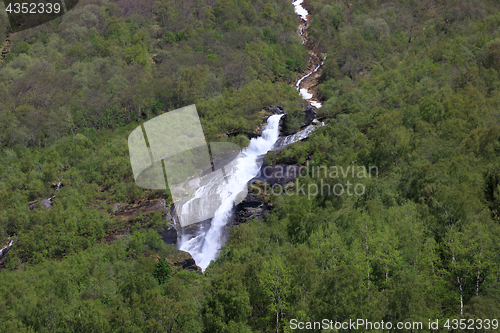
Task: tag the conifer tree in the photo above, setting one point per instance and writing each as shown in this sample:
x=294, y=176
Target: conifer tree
x=162, y=271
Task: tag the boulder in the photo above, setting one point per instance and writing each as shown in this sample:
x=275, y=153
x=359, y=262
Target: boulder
x=252, y=207
x=282, y=122
x=43, y=203
x=169, y=235
x=278, y=109
x=309, y=114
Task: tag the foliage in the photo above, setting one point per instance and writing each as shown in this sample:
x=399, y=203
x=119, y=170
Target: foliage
x=162, y=271
x=410, y=90
x=106, y=64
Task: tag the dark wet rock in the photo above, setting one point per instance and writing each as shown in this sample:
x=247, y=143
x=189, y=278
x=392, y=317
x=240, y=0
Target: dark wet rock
x=309, y=114
x=270, y=110
x=274, y=109
x=252, y=207
x=43, y=203
x=188, y=264
x=283, y=123
x=169, y=235
x=278, y=174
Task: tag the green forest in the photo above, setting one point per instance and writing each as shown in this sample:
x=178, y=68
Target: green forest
x=409, y=86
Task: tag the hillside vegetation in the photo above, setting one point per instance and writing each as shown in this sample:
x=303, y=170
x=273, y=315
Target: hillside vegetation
x=106, y=64
x=411, y=87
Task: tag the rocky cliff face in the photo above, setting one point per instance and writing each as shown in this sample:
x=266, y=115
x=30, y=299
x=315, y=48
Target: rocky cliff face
x=188, y=264
x=310, y=113
x=169, y=235
x=254, y=205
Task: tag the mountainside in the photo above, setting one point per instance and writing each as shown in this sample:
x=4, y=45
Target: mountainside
x=396, y=215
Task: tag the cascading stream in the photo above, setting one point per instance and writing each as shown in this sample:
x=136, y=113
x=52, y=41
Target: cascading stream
x=5, y=249
x=203, y=241
x=204, y=247
x=304, y=92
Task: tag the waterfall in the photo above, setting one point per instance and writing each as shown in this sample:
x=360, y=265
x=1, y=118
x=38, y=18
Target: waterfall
x=301, y=135
x=304, y=92
x=5, y=249
x=203, y=240
x=302, y=12
x=204, y=245
x=299, y=10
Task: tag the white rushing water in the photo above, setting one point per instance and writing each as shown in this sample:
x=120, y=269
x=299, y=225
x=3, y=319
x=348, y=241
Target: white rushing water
x=301, y=11
x=204, y=247
x=6, y=248
x=203, y=241
x=301, y=135
x=304, y=92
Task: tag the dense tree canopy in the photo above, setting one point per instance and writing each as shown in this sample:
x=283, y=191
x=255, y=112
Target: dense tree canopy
x=106, y=64
x=409, y=87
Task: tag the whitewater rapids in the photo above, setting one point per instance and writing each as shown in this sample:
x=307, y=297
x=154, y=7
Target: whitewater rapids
x=204, y=246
